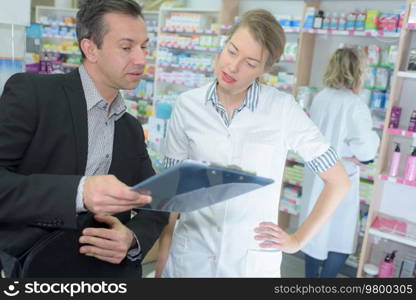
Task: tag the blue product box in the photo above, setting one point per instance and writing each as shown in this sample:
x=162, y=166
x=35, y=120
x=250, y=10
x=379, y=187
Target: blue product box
x=295, y=23
x=378, y=99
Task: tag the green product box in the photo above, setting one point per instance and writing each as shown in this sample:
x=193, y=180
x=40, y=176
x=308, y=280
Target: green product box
x=371, y=21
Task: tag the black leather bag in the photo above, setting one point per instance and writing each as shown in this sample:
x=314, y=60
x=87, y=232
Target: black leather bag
x=57, y=255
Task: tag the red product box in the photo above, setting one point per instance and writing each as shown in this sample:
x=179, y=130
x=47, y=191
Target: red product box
x=388, y=22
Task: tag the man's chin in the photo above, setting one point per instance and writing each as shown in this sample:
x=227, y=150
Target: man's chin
x=130, y=85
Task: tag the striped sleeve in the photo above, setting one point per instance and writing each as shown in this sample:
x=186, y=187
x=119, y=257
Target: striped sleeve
x=169, y=162
x=324, y=161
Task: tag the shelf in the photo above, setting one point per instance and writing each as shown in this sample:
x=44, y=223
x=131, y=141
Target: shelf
x=287, y=61
x=191, y=47
x=353, y=33
x=289, y=211
x=185, y=67
x=152, y=29
x=295, y=183
x=178, y=82
x=292, y=159
x=291, y=199
x=148, y=77
x=58, y=24
x=281, y=86
x=378, y=110
x=62, y=51
x=193, y=31
x=70, y=65
x=403, y=74
x=401, y=132
x=291, y=29
x=366, y=177
x=60, y=37
x=392, y=237
x=411, y=26
x=397, y=180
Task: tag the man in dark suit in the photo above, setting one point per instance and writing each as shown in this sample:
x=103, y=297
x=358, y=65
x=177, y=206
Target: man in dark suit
x=61, y=214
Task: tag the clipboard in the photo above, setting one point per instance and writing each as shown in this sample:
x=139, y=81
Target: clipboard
x=191, y=185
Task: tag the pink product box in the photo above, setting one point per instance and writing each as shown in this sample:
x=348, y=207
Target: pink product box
x=388, y=22
x=412, y=123
x=390, y=225
x=395, y=117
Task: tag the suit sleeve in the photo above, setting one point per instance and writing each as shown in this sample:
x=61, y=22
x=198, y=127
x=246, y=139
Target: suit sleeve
x=40, y=199
x=147, y=225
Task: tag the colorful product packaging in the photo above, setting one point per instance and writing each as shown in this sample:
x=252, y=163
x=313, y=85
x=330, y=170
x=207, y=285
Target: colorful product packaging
x=382, y=79
x=351, y=18
x=395, y=117
x=373, y=55
x=360, y=21
x=309, y=16
x=378, y=99
x=388, y=22
x=412, y=123
x=371, y=20
x=411, y=65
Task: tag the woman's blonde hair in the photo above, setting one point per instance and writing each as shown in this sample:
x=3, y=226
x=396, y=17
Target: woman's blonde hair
x=266, y=30
x=345, y=69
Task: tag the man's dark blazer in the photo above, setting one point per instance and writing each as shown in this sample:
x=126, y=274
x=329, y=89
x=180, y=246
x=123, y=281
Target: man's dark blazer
x=43, y=155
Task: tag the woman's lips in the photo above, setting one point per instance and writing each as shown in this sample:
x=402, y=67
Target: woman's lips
x=227, y=78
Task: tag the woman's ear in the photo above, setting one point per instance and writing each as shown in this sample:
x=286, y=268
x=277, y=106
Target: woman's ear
x=267, y=68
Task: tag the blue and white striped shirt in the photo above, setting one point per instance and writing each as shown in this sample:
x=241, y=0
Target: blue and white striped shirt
x=317, y=165
x=101, y=122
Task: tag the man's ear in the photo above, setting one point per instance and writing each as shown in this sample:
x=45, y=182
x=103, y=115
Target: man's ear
x=90, y=50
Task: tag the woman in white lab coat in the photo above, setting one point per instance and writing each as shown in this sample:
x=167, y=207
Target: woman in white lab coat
x=235, y=120
x=345, y=120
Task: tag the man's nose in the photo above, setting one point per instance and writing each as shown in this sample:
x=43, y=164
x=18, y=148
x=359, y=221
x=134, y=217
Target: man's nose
x=140, y=57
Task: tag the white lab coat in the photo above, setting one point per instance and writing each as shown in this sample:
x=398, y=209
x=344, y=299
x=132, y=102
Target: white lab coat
x=218, y=241
x=345, y=120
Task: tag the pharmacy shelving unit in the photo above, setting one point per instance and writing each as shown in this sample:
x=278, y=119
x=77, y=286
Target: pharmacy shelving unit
x=139, y=101
x=282, y=75
x=394, y=196
x=187, y=44
x=59, y=38
x=316, y=45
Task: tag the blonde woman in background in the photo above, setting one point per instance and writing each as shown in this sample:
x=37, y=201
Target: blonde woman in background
x=345, y=120
x=237, y=121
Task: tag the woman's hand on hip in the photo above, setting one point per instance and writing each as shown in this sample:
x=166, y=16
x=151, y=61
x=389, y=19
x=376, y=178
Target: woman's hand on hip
x=272, y=236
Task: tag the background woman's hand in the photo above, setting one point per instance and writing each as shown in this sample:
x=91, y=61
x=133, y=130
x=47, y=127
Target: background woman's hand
x=272, y=236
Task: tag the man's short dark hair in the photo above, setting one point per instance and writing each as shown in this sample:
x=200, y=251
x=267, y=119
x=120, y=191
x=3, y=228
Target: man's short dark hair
x=90, y=17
